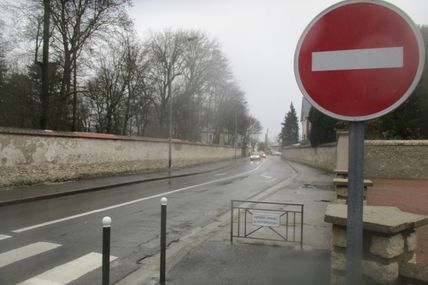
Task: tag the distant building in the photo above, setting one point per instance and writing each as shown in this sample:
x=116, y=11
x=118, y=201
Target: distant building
x=207, y=135
x=304, y=119
x=224, y=138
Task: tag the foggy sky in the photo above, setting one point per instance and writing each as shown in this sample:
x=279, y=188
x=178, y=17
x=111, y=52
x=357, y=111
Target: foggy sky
x=259, y=39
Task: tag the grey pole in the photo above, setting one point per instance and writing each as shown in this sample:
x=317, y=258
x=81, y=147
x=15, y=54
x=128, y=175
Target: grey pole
x=164, y=202
x=170, y=136
x=354, y=226
x=106, y=251
x=235, y=134
x=169, y=130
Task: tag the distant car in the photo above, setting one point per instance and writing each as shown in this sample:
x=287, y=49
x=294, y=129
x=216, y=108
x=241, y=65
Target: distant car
x=254, y=156
x=262, y=154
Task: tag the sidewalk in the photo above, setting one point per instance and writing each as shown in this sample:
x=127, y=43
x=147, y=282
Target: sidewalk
x=26, y=193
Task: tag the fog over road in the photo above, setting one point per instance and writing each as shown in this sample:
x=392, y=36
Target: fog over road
x=43, y=239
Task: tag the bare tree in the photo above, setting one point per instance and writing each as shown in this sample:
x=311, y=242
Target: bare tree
x=76, y=23
x=200, y=58
x=165, y=52
x=251, y=127
x=106, y=93
x=121, y=91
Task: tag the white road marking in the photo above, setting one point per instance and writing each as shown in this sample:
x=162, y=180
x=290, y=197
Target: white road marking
x=266, y=176
x=21, y=253
x=371, y=58
x=68, y=272
x=220, y=174
x=2, y=237
x=131, y=202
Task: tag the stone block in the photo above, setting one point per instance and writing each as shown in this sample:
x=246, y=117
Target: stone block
x=339, y=236
x=337, y=279
x=338, y=261
x=387, y=246
x=411, y=242
x=342, y=192
x=381, y=219
x=381, y=273
x=341, y=201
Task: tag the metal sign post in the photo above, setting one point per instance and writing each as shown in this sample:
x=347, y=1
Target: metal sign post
x=356, y=61
x=354, y=223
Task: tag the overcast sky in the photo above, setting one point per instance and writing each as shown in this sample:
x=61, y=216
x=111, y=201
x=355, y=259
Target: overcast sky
x=259, y=39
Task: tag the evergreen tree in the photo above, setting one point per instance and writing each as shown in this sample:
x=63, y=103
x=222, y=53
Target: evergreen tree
x=290, y=128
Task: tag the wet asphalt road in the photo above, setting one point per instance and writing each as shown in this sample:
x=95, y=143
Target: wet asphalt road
x=74, y=222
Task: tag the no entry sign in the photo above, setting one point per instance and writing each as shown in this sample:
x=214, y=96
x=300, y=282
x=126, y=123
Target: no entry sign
x=359, y=60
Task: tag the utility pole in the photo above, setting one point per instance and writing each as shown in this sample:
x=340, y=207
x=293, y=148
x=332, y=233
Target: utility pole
x=266, y=140
x=45, y=65
x=236, y=133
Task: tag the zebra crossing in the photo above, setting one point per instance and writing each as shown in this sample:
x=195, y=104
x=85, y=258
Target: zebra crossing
x=27, y=251
x=2, y=237
x=58, y=275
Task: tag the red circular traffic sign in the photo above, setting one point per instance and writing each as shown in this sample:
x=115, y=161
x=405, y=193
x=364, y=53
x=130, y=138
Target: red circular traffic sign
x=359, y=60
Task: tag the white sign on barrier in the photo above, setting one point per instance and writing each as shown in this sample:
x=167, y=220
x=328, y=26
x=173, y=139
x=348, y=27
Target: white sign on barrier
x=266, y=219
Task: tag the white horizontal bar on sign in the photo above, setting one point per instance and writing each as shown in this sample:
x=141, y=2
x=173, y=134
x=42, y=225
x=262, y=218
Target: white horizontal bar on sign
x=372, y=58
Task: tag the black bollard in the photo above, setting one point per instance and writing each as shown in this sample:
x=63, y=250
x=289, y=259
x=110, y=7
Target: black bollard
x=106, y=250
x=164, y=202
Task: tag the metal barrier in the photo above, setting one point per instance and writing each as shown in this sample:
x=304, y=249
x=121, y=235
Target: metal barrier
x=266, y=221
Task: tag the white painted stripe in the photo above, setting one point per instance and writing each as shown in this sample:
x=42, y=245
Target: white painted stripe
x=266, y=176
x=353, y=59
x=21, y=253
x=132, y=202
x=68, y=272
x=2, y=237
x=220, y=174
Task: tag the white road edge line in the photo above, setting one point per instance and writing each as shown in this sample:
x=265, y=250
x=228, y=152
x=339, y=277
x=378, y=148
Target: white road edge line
x=131, y=202
x=68, y=272
x=371, y=58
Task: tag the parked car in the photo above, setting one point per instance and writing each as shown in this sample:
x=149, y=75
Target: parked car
x=262, y=154
x=254, y=156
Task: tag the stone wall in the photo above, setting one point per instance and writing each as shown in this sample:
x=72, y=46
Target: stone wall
x=383, y=158
x=323, y=157
x=36, y=156
x=396, y=159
